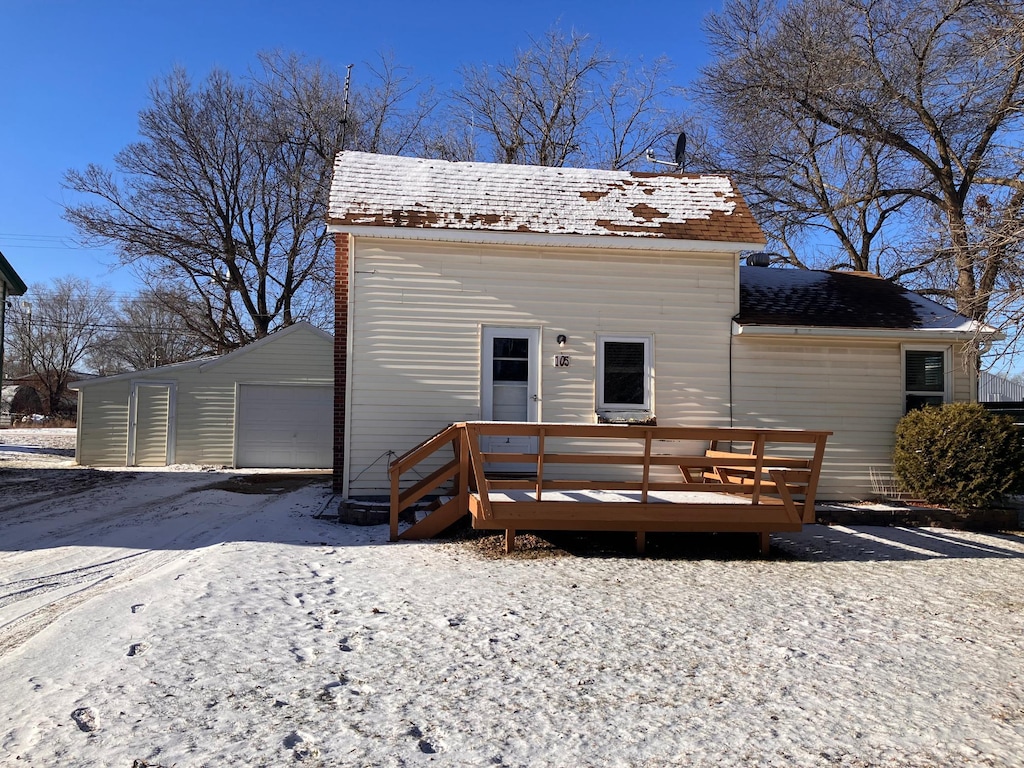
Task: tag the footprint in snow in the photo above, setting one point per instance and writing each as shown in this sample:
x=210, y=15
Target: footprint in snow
x=86, y=719
x=137, y=649
x=302, y=746
x=424, y=746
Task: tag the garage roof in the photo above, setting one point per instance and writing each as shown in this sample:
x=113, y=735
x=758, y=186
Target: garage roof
x=203, y=363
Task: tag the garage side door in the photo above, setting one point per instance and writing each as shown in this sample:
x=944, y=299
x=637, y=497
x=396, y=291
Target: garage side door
x=284, y=426
x=151, y=425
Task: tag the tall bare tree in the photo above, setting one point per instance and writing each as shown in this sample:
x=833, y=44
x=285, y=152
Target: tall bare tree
x=145, y=331
x=891, y=125
x=224, y=197
x=53, y=330
x=563, y=100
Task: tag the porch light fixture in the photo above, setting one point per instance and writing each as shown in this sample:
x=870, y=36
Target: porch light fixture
x=561, y=339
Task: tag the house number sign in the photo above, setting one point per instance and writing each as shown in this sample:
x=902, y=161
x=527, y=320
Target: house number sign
x=562, y=361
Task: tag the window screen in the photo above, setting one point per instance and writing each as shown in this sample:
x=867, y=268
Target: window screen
x=624, y=373
x=926, y=378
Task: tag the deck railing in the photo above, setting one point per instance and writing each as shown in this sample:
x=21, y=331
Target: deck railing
x=673, y=477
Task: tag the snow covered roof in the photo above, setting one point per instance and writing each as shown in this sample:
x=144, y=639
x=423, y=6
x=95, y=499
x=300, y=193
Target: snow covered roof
x=390, y=191
x=799, y=297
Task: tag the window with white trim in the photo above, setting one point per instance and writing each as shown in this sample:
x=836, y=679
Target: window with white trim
x=624, y=373
x=926, y=377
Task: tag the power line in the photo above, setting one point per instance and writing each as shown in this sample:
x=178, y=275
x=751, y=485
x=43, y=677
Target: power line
x=53, y=325
x=47, y=242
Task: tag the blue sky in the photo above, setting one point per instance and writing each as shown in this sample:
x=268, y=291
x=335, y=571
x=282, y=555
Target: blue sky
x=74, y=75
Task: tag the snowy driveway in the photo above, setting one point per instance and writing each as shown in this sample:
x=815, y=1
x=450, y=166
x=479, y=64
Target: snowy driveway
x=151, y=619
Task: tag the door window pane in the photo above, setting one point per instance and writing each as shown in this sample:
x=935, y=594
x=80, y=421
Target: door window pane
x=504, y=347
x=511, y=359
x=511, y=370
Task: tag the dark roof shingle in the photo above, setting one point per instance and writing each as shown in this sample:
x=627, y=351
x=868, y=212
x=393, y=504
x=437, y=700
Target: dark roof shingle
x=799, y=297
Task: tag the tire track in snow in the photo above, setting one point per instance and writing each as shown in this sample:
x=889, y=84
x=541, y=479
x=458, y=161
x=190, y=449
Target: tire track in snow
x=115, y=507
x=40, y=491
x=33, y=602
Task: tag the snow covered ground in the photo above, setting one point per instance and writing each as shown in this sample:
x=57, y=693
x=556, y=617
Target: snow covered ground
x=150, y=618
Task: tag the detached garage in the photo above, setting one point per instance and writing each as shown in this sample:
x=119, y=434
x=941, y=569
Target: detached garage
x=268, y=404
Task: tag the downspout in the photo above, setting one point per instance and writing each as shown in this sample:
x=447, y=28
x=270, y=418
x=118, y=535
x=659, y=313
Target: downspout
x=731, y=394
x=3, y=326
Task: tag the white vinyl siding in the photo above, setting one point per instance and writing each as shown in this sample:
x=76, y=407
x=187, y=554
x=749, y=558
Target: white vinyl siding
x=103, y=424
x=418, y=310
x=855, y=389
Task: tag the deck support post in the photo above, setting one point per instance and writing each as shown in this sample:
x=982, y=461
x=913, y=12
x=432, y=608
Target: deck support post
x=766, y=543
x=641, y=542
x=510, y=540
x=395, y=506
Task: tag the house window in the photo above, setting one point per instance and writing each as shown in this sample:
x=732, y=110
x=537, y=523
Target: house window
x=624, y=373
x=926, y=377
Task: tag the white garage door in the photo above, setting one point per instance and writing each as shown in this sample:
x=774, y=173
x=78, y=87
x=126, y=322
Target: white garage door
x=284, y=426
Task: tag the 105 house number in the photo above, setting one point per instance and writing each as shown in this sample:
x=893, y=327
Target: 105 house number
x=562, y=361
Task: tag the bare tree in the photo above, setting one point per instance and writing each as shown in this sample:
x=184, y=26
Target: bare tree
x=146, y=331
x=53, y=331
x=864, y=119
x=224, y=197
x=390, y=111
x=563, y=100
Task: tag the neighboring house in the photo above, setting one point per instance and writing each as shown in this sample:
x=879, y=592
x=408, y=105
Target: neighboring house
x=997, y=389
x=32, y=397
x=476, y=291
x=1000, y=395
x=10, y=285
x=267, y=404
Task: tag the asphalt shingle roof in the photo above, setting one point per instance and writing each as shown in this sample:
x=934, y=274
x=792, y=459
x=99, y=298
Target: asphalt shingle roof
x=391, y=191
x=799, y=297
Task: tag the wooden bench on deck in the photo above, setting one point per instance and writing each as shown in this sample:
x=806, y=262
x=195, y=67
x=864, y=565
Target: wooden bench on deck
x=605, y=477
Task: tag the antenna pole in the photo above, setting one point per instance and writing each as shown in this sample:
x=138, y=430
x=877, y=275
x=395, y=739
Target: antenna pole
x=344, y=114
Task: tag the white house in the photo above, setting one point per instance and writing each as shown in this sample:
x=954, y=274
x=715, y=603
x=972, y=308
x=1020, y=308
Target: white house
x=476, y=291
x=267, y=404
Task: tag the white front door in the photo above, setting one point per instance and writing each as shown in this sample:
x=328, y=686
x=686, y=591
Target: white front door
x=510, y=385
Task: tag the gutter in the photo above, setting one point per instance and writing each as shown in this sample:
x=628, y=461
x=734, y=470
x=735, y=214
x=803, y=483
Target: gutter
x=934, y=334
x=488, y=237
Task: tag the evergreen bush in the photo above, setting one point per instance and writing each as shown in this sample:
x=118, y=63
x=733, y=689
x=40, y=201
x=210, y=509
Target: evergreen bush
x=959, y=455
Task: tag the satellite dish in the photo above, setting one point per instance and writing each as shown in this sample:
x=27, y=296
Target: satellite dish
x=680, y=155
x=680, y=151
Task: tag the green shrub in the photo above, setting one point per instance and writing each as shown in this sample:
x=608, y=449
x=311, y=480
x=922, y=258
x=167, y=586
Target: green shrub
x=959, y=455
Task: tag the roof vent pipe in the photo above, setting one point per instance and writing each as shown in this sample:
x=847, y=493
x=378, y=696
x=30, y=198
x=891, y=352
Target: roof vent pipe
x=760, y=259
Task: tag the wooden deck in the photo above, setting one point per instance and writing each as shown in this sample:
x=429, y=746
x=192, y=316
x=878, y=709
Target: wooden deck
x=606, y=477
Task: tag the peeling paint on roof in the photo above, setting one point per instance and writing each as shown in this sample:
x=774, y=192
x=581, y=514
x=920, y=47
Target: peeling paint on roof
x=799, y=297
x=391, y=191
